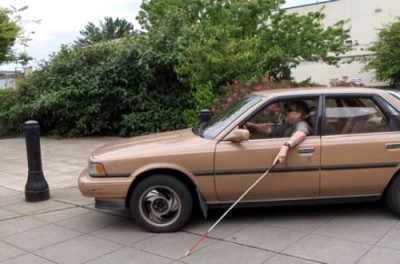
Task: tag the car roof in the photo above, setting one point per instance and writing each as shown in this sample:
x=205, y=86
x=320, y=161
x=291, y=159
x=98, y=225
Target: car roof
x=319, y=90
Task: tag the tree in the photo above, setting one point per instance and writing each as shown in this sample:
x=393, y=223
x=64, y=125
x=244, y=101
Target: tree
x=110, y=29
x=10, y=32
x=386, y=49
x=250, y=39
x=216, y=41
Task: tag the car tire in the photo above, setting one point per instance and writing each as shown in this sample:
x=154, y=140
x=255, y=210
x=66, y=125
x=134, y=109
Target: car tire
x=161, y=204
x=393, y=195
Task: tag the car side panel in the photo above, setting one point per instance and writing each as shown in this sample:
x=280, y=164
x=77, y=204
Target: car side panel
x=239, y=165
x=358, y=164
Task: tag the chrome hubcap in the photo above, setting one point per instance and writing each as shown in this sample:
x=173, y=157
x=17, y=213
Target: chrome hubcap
x=160, y=205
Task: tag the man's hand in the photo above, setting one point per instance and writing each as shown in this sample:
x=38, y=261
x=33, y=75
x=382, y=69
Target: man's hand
x=294, y=140
x=249, y=126
x=258, y=128
x=282, y=154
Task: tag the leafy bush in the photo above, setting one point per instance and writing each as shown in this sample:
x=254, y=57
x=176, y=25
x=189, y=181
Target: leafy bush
x=106, y=88
x=8, y=98
x=386, y=49
x=235, y=91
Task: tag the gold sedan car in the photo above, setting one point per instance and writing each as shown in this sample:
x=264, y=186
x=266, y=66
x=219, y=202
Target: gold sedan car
x=352, y=154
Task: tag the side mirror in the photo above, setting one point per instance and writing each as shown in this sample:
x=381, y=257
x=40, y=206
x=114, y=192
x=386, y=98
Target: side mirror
x=238, y=135
x=205, y=115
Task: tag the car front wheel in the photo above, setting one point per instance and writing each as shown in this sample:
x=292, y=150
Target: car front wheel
x=161, y=203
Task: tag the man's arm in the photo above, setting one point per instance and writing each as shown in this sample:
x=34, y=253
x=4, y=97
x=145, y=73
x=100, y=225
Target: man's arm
x=297, y=138
x=258, y=128
x=294, y=140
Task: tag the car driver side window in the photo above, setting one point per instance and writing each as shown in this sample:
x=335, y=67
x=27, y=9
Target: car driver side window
x=275, y=120
x=352, y=115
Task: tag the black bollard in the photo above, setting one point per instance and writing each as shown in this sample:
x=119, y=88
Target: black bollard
x=36, y=188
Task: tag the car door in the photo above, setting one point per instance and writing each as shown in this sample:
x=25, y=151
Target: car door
x=360, y=146
x=238, y=165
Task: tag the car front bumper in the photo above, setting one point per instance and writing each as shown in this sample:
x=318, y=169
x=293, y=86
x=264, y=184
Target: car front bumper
x=103, y=188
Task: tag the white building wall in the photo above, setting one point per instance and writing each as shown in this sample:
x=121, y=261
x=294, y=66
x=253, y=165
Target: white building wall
x=365, y=17
x=7, y=83
x=9, y=79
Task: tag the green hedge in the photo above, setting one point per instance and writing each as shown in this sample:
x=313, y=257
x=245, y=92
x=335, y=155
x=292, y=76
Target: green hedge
x=108, y=88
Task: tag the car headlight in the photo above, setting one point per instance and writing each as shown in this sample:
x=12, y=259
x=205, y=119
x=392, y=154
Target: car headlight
x=96, y=169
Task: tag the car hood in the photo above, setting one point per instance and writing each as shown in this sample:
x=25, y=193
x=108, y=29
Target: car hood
x=148, y=145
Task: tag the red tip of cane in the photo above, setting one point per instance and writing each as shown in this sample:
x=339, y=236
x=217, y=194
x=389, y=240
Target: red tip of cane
x=197, y=243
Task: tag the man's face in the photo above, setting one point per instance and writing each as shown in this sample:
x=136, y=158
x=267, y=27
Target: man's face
x=275, y=109
x=292, y=115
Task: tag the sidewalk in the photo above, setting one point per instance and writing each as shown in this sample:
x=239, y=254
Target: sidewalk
x=68, y=229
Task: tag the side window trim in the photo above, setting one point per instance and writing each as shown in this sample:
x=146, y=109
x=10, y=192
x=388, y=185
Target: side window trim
x=322, y=119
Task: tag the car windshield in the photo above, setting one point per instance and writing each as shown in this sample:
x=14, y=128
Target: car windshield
x=212, y=128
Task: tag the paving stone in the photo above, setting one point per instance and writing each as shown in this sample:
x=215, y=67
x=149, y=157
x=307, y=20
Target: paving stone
x=18, y=169
x=63, y=214
x=8, y=251
x=17, y=184
x=78, y=250
x=126, y=233
x=29, y=208
x=229, y=226
x=171, y=245
x=301, y=219
x=226, y=253
x=7, y=214
x=353, y=229
x=61, y=167
x=125, y=213
x=13, y=199
x=129, y=256
x=4, y=192
x=284, y=259
x=391, y=238
x=18, y=225
x=27, y=258
x=374, y=213
x=381, y=255
x=41, y=237
x=71, y=195
x=328, y=250
x=9, y=178
x=267, y=237
x=90, y=222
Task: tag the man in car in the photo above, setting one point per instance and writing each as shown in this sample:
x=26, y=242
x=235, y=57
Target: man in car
x=294, y=127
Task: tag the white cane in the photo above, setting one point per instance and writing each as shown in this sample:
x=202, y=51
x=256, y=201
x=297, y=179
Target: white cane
x=227, y=211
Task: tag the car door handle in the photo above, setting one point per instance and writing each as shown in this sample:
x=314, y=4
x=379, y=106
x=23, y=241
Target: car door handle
x=393, y=146
x=305, y=150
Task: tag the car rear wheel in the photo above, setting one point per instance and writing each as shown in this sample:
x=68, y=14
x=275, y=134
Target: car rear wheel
x=393, y=195
x=161, y=203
